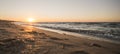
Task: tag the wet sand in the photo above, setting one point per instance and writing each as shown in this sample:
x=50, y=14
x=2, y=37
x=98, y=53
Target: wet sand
x=15, y=39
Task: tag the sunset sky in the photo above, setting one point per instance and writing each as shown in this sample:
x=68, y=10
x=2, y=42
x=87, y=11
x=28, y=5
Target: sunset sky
x=61, y=10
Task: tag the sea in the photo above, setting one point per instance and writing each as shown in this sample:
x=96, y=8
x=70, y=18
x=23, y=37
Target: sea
x=105, y=30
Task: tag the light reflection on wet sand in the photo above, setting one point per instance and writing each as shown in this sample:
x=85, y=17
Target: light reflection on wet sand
x=29, y=29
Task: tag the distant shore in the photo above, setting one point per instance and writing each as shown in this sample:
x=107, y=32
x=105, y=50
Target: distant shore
x=15, y=39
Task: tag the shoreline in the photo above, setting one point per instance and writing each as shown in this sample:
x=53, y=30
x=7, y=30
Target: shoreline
x=79, y=35
x=74, y=34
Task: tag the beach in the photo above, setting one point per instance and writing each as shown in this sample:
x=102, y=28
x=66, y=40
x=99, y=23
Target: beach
x=16, y=39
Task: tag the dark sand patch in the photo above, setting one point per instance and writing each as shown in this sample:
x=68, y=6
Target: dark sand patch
x=79, y=52
x=10, y=46
x=54, y=38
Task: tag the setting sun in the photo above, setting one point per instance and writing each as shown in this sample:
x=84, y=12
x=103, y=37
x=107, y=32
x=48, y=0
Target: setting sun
x=31, y=19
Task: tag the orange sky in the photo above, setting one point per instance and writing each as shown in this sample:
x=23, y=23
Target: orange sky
x=61, y=10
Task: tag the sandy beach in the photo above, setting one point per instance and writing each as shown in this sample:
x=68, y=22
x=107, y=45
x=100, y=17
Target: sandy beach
x=15, y=39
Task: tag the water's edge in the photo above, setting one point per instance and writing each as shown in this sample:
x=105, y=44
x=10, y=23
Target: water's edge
x=73, y=34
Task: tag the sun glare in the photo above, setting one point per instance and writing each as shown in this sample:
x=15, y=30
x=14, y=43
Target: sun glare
x=31, y=19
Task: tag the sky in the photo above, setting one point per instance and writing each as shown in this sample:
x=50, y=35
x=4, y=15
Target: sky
x=61, y=10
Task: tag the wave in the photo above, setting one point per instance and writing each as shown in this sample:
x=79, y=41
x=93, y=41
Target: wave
x=107, y=30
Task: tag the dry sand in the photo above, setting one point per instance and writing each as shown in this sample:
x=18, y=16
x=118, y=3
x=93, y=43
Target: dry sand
x=15, y=39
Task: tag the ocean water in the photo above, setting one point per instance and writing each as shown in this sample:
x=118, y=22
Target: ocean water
x=107, y=30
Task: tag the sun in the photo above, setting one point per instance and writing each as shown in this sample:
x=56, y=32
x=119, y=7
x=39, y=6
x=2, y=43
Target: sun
x=31, y=19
